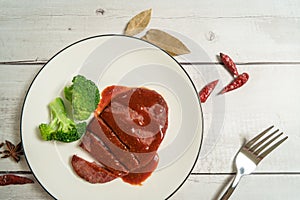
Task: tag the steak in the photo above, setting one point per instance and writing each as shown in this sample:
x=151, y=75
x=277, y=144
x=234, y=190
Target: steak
x=124, y=135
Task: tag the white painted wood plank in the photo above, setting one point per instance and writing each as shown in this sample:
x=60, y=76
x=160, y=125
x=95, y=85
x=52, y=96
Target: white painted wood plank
x=213, y=8
x=249, y=31
x=208, y=187
x=14, y=83
x=274, y=187
x=269, y=97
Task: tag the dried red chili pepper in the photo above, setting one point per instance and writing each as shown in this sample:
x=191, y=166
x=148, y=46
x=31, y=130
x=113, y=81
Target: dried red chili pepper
x=10, y=179
x=207, y=90
x=236, y=83
x=229, y=64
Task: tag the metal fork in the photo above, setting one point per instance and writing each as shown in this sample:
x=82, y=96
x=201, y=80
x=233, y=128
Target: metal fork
x=251, y=154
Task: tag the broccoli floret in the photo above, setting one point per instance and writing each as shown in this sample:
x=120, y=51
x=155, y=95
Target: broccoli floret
x=74, y=133
x=61, y=127
x=47, y=131
x=68, y=93
x=84, y=97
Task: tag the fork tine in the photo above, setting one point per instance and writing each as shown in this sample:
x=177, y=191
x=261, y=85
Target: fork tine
x=268, y=143
x=265, y=153
x=251, y=142
x=253, y=148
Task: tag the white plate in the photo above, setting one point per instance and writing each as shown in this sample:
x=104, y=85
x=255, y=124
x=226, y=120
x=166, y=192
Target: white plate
x=110, y=60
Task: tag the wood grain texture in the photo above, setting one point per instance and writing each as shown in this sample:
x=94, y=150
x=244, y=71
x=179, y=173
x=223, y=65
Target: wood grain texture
x=268, y=98
x=196, y=187
x=251, y=187
x=249, y=31
x=263, y=37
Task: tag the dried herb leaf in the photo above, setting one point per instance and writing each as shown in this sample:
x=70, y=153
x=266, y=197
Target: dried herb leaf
x=138, y=23
x=166, y=41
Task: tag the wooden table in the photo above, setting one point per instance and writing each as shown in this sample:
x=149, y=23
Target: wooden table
x=263, y=37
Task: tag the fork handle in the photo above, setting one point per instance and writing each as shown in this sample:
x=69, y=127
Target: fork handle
x=231, y=187
x=228, y=193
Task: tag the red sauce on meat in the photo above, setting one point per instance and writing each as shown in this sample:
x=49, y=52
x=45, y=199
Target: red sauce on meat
x=136, y=178
x=132, y=123
x=138, y=115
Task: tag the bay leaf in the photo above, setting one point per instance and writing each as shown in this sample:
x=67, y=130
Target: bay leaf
x=138, y=23
x=166, y=41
